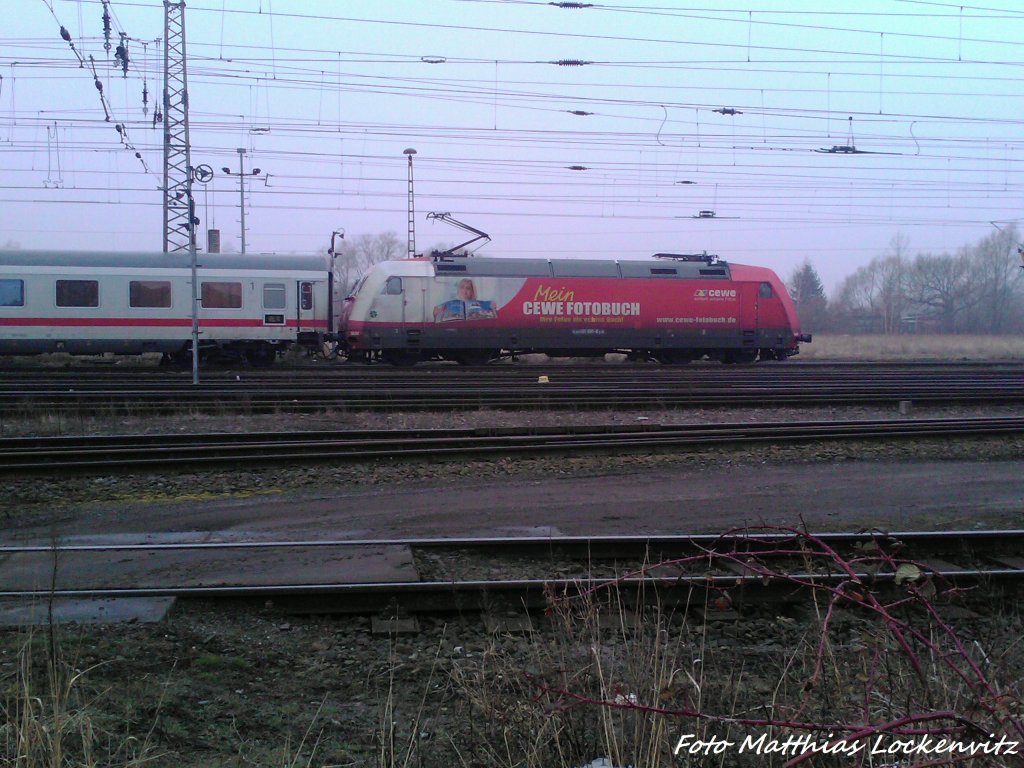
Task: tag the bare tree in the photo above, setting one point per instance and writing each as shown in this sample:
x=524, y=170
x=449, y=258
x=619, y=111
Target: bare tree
x=998, y=274
x=944, y=287
x=363, y=251
x=858, y=302
x=892, y=285
x=980, y=289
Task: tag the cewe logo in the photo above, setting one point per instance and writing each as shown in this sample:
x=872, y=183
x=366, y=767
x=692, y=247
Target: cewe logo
x=715, y=293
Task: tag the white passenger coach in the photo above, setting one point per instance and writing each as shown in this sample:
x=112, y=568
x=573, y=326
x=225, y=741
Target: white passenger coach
x=130, y=303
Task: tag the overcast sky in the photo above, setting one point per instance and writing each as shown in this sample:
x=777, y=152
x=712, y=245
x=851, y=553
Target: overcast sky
x=812, y=130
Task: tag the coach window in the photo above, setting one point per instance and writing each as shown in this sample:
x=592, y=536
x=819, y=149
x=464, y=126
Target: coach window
x=149, y=293
x=273, y=296
x=78, y=293
x=306, y=296
x=393, y=287
x=222, y=296
x=765, y=291
x=12, y=293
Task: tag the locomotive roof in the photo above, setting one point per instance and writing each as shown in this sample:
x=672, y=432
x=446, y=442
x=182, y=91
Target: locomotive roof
x=526, y=267
x=149, y=260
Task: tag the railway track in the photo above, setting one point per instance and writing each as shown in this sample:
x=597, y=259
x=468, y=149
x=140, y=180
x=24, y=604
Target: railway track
x=359, y=388
x=121, y=453
x=742, y=567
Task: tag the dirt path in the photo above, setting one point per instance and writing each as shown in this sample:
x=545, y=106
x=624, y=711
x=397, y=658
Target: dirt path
x=664, y=499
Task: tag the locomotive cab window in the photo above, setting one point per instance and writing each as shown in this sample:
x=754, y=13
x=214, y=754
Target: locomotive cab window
x=222, y=295
x=393, y=287
x=149, y=293
x=78, y=293
x=12, y=293
x=765, y=291
x=273, y=296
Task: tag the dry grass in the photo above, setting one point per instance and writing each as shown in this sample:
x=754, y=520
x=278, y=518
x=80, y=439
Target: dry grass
x=907, y=348
x=50, y=721
x=880, y=672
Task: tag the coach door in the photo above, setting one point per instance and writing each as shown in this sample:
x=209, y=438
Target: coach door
x=749, y=320
x=748, y=306
x=306, y=306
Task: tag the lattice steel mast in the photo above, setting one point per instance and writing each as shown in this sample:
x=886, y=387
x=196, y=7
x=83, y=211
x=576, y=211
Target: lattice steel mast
x=179, y=232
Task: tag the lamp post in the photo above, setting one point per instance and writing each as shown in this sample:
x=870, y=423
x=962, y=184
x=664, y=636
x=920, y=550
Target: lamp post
x=412, y=208
x=241, y=187
x=336, y=233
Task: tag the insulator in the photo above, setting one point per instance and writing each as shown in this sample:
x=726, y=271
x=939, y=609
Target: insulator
x=106, y=27
x=572, y=5
x=121, y=54
x=570, y=62
x=65, y=34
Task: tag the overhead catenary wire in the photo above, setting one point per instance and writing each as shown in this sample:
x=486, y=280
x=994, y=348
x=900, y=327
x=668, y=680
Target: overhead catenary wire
x=790, y=129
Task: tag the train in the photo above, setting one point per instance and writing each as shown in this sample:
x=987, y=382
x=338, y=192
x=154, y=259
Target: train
x=672, y=308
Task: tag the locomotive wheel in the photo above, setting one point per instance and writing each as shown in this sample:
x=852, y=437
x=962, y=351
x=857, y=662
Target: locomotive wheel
x=741, y=356
x=473, y=357
x=400, y=358
x=674, y=358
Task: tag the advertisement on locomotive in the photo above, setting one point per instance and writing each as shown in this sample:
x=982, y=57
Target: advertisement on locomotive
x=538, y=302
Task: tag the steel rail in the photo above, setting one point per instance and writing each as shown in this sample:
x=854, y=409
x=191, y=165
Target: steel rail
x=516, y=387
x=444, y=592
x=456, y=376
x=20, y=455
x=481, y=593
x=746, y=556
x=795, y=367
x=602, y=545
x=537, y=398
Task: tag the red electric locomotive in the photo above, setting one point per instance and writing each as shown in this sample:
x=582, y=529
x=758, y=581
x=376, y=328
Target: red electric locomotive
x=673, y=309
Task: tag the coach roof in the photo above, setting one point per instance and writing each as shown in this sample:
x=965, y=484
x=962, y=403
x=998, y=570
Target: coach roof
x=176, y=260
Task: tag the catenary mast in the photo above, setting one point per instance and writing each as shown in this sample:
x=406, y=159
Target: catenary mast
x=179, y=231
